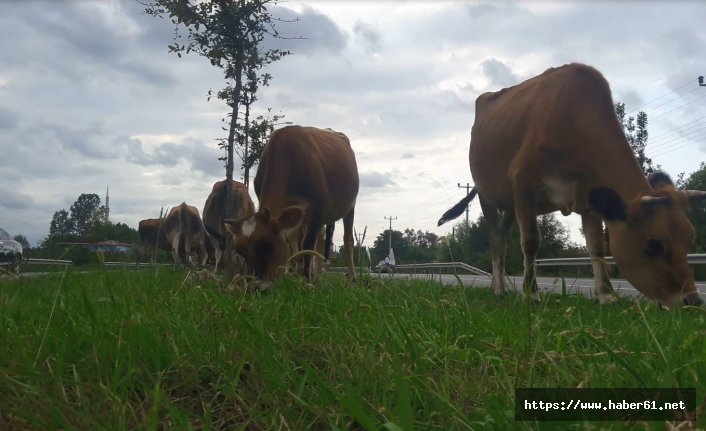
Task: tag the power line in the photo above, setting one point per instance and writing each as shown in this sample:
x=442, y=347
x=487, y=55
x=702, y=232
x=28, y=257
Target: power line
x=684, y=134
x=679, y=107
x=672, y=100
x=666, y=94
x=690, y=140
x=664, y=134
x=437, y=198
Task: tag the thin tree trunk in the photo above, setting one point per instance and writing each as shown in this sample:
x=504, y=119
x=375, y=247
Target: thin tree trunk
x=246, y=165
x=229, y=260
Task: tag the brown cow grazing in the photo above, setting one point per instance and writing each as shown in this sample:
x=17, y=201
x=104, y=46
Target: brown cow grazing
x=554, y=143
x=152, y=237
x=307, y=178
x=214, y=212
x=183, y=228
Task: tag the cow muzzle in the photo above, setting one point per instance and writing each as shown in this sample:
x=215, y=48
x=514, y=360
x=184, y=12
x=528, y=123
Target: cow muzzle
x=261, y=286
x=693, y=299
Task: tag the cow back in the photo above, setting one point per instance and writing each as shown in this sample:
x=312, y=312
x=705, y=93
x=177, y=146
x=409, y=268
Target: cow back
x=214, y=211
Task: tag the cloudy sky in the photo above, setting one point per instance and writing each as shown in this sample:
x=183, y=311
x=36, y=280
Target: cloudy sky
x=90, y=97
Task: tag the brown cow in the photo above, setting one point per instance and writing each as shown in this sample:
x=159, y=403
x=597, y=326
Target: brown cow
x=307, y=178
x=214, y=212
x=554, y=143
x=152, y=237
x=183, y=225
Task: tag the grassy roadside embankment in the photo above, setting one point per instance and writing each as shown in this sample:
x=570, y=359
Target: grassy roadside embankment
x=159, y=350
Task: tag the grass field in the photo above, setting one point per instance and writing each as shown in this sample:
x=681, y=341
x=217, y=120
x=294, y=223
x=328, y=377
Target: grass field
x=160, y=350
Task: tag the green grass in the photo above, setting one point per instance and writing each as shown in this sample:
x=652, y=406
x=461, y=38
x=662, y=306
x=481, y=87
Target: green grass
x=158, y=350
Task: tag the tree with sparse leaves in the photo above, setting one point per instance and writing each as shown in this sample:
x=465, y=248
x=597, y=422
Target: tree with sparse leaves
x=229, y=33
x=253, y=137
x=635, y=129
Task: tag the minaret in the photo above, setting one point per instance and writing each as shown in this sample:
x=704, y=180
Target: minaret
x=107, y=204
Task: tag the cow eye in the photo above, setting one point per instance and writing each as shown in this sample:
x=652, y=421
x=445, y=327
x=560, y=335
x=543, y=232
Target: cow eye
x=654, y=248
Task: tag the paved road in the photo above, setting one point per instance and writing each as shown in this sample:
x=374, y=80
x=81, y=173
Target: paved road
x=545, y=284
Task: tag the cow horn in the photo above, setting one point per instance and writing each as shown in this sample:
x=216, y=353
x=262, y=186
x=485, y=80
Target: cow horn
x=652, y=201
x=695, y=195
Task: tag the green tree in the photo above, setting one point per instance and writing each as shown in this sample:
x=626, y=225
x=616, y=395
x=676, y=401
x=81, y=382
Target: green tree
x=252, y=138
x=61, y=226
x=697, y=214
x=85, y=212
x=422, y=246
x=635, y=129
x=469, y=243
x=108, y=230
x=382, y=243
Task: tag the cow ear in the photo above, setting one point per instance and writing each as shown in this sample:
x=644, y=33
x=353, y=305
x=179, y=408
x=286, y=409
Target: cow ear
x=659, y=180
x=291, y=218
x=607, y=203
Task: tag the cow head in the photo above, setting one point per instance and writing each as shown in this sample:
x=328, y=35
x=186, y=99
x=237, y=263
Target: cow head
x=650, y=237
x=261, y=239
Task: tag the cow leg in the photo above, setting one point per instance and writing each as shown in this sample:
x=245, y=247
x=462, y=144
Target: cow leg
x=203, y=252
x=497, y=234
x=218, y=254
x=593, y=231
x=309, y=243
x=526, y=213
x=348, y=243
x=188, y=247
x=175, y=249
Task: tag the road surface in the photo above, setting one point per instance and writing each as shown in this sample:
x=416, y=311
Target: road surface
x=583, y=286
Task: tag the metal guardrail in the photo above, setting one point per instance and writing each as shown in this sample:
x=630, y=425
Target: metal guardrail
x=33, y=261
x=693, y=259
x=424, y=266
x=442, y=265
x=134, y=264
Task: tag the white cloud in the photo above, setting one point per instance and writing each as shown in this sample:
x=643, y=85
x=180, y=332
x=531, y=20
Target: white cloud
x=91, y=97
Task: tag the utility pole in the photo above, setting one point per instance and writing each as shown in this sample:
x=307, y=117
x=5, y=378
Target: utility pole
x=468, y=188
x=390, y=218
x=359, y=238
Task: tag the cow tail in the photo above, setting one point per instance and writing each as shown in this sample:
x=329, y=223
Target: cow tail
x=459, y=208
x=182, y=234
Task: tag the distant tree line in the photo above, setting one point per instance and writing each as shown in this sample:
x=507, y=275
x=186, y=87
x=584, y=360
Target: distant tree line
x=467, y=243
x=86, y=221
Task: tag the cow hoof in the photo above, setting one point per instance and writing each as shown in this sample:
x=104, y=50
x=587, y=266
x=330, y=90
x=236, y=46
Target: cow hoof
x=606, y=298
x=534, y=299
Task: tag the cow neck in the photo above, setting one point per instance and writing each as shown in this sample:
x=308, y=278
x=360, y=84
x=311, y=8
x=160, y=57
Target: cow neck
x=627, y=179
x=273, y=194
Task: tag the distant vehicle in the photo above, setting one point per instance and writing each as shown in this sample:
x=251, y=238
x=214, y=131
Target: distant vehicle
x=387, y=266
x=10, y=253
